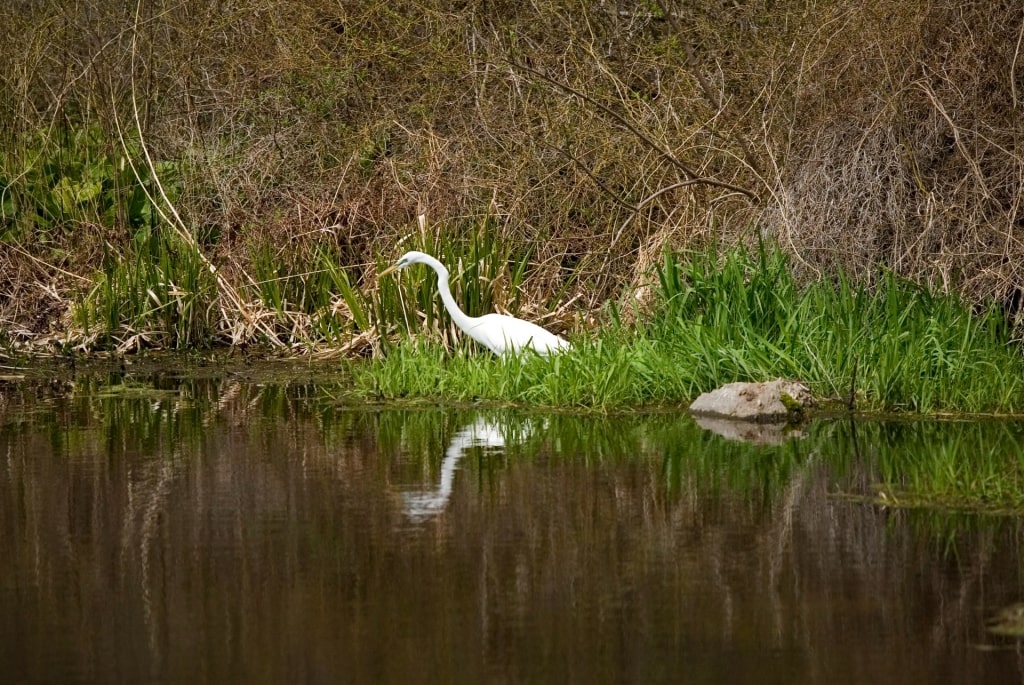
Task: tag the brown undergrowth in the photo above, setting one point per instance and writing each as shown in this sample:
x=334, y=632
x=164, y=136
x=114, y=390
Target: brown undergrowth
x=862, y=136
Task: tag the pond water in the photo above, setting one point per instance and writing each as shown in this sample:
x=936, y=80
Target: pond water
x=219, y=530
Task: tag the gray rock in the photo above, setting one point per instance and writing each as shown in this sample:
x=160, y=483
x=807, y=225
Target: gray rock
x=772, y=402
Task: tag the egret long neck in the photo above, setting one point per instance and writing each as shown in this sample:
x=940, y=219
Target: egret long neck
x=458, y=316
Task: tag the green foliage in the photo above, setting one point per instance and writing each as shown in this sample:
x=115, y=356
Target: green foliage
x=718, y=319
x=160, y=294
x=52, y=183
x=742, y=317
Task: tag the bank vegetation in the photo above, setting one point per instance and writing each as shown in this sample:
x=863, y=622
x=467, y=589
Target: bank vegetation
x=186, y=174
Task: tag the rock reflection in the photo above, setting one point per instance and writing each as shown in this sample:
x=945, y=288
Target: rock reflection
x=425, y=505
x=749, y=431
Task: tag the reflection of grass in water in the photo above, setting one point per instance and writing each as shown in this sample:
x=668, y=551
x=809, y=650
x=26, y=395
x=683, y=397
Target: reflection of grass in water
x=698, y=460
x=975, y=466
x=938, y=465
x=948, y=530
x=671, y=447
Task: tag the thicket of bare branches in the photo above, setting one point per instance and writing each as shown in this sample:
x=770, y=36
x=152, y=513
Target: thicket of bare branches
x=860, y=135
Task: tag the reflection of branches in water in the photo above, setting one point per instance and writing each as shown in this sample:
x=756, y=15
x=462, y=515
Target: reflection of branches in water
x=148, y=498
x=420, y=506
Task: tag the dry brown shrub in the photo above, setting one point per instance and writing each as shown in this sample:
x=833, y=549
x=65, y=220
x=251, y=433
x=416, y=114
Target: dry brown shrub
x=859, y=135
x=905, y=146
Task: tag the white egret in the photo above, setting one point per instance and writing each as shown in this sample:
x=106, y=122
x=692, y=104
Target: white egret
x=499, y=333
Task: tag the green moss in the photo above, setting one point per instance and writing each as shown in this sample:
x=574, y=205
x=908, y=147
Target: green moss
x=791, y=404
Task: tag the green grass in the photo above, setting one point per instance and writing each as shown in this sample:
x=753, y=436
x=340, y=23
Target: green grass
x=896, y=345
x=742, y=317
x=160, y=294
x=592, y=375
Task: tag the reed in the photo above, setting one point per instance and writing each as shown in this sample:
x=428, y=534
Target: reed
x=159, y=295
x=310, y=296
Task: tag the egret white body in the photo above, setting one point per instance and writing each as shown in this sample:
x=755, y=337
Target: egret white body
x=499, y=333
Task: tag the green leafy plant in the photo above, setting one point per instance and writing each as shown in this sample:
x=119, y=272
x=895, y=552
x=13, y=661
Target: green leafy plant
x=53, y=183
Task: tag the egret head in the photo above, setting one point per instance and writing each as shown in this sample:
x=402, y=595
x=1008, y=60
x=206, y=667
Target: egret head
x=412, y=257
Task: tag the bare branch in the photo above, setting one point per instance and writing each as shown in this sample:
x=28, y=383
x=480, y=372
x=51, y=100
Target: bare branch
x=696, y=178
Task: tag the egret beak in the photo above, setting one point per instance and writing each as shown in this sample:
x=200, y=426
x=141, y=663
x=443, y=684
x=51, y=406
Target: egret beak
x=390, y=270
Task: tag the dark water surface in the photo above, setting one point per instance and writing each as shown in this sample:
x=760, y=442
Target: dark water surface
x=221, y=531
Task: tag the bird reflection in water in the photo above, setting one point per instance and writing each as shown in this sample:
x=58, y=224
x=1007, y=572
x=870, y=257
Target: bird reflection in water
x=420, y=506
